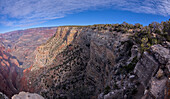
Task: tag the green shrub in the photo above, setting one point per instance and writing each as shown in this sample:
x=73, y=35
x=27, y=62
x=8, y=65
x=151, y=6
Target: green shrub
x=130, y=67
x=107, y=90
x=116, y=86
x=134, y=91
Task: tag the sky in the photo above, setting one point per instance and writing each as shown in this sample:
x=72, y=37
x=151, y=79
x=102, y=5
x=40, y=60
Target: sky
x=23, y=14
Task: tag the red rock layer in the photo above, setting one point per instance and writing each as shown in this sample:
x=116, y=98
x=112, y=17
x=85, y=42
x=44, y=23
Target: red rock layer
x=22, y=44
x=9, y=72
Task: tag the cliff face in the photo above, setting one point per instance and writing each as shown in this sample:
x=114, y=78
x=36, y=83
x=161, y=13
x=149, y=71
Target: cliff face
x=119, y=61
x=46, y=53
x=77, y=62
x=88, y=62
x=9, y=73
x=22, y=43
x=67, y=37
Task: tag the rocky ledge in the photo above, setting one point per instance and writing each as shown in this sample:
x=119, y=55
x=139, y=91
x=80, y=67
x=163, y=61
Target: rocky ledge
x=150, y=79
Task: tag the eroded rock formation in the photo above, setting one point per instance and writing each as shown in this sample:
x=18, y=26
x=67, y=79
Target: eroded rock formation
x=100, y=61
x=22, y=43
x=84, y=62
x=77, y=62
x=10, y=73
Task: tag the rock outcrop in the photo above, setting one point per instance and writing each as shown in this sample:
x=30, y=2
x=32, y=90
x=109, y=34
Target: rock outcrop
x=153, y=72
x=3, y=96
x=146, y=68
x=26, y=95
x=46, y=53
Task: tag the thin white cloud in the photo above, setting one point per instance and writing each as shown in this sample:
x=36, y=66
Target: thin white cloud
x=30, y=12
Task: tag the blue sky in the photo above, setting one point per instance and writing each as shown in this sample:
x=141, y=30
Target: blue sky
x=23, y=14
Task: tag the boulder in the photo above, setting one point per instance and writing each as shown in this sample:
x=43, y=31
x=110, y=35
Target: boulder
x=117, y=94
x=101, y=96
x=161, y=54
x=158, y=87
x=146, y=68
x=26, y=95
x=134, y=51
x=168, y=65
x=3, y=96
x=148, y=95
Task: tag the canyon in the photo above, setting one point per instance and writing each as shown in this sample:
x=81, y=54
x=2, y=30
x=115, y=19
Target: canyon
x=16, y=54
x=22, y=43
x=106, y=61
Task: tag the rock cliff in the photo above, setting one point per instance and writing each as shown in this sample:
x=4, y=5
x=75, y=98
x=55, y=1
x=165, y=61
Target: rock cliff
x=89, y=62
x=119, y=61
x=10, y=73
x=77, y=61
